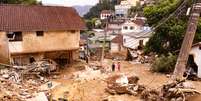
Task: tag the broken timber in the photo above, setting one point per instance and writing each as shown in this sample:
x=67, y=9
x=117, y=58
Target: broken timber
x=187, y=42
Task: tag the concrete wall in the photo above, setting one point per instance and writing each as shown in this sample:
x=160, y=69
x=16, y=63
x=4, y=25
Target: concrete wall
x=51, y=41
x=4, y=51
x=196, y=52
x=133, y=43
x=115, y=47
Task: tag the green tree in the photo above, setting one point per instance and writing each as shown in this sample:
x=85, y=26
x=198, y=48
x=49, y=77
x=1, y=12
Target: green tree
x=138, y=9
x=95, y=11
x=162, y=9
x=168, y=37
x=26, y=2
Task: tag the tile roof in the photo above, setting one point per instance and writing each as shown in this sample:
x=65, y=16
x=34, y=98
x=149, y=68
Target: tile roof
x=39, y=18
x=139, y=22
x=142, y=34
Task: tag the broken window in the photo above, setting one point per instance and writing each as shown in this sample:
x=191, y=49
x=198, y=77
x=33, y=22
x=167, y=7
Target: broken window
x=40, y=33
x=14, y=36
x=125, y=27
x=131, y=28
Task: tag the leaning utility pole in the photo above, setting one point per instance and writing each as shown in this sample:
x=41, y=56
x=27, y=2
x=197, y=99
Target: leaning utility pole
x=187, y=42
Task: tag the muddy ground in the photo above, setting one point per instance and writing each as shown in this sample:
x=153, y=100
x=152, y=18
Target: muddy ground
x=94, y=90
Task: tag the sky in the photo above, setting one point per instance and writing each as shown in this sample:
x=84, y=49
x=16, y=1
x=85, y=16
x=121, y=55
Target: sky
x=69, y=2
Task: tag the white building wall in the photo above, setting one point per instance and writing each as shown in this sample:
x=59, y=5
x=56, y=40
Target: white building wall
x=133, y=43
x=114, y=47
x=196, y=52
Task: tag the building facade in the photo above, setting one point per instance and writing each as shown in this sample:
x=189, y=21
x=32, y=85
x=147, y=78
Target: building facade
x=40, y=32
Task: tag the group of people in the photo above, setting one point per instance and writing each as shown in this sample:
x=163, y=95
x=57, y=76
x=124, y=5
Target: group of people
x=116, y=66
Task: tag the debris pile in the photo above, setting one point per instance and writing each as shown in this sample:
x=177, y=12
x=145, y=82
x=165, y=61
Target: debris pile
x=121, y=84
x=15, y=85
x=139, y=57
x=176, y=91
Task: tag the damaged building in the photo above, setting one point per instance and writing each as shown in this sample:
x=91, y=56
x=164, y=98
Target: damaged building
x=38, y=32
x=195, y=56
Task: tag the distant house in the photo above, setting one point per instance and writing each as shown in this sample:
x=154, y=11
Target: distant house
x=114, y=26
x=134, y=25
x=134, y=2
x=196, y=53
x=105, y=14
x=39, y=32
x=135, y=40
x=130, y=26
x=122, y=9
x=117, y=44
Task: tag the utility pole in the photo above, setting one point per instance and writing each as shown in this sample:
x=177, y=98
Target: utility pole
x=104, y=42
x=187, y=42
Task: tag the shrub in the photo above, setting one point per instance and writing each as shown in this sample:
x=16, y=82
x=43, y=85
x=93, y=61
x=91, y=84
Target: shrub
x=164, y=64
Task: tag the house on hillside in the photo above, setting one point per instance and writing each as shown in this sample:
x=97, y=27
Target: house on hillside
x=136, y=40
x=117, y=44
x=39, y=32
x=129, y=27
x=114, y=26
x=135, y=25
x=105, y=14
x=122, y=9
x=134, y=2
x=196, y=54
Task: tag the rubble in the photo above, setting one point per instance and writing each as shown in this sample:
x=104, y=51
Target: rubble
x=138, y=56
x=17, y=86
x=175, y=91
x=121, y=84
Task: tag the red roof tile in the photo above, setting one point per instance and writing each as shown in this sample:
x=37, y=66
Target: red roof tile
x=39, y=18
x=139, y=22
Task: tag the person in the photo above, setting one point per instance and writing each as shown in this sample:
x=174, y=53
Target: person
x=113, y=66
x=118, y=66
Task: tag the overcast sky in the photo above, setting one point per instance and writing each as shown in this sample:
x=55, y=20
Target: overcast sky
x=69, y=2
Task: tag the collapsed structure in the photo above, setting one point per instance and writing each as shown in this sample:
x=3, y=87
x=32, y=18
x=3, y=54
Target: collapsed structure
x=30, y=33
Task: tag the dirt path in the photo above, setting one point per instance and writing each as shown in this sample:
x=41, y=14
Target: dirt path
x=93, y=90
